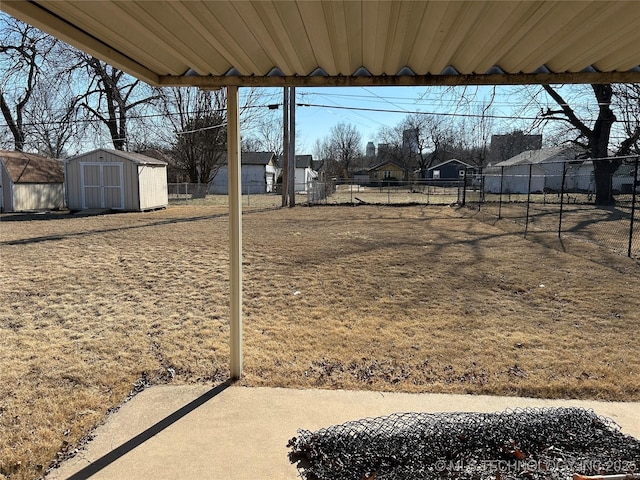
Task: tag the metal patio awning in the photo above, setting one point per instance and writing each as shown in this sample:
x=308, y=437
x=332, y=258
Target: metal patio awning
x=297, y=42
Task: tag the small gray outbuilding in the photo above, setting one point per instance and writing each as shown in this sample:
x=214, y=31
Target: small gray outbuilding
x=30, y=182
x=115, y=180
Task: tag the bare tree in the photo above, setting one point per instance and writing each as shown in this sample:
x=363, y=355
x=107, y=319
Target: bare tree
x=594, y=134
x=24, y=51
x=55, y=118
x=390, y=144
x=422, y=140
x=434, y=139
x=250, y=144
x=195, y=126
x=269, y=134
x=628, y=100
x=507, y=145
x=199, y=121
x=344, y=146
x=480, y=134
x=112, y=97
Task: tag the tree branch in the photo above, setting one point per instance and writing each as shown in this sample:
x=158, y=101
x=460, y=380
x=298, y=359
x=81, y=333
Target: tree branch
x=567, y=111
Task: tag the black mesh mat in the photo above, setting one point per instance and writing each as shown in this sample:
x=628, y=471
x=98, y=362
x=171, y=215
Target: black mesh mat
x=522, y=443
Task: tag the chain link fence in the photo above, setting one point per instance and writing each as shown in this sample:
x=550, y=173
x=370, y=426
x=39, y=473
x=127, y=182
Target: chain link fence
x=552, y=197
x=389, y=192
x=253, y=195
x=545, y=443
x=560, y=198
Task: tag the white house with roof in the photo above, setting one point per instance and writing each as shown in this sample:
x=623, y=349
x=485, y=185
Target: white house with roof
x=545, y=166
x=304, y=172
x=257, y=174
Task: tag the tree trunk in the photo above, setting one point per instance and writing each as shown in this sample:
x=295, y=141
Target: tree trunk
x=603, y=169
x=602, y=172
x=15, y=127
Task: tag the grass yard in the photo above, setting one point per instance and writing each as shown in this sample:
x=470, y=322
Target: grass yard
x=415, y=299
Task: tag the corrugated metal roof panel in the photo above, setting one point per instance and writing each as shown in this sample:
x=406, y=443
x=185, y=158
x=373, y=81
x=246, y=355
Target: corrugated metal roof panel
x=160, y=41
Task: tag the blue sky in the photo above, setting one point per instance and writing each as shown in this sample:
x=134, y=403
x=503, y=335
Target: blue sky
x=315, y=122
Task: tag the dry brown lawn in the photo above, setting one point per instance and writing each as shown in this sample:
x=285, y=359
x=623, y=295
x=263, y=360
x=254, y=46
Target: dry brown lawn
x=416, y=299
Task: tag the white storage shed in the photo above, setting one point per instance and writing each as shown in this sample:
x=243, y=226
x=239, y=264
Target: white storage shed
x=111, y=179
x=257, y=175
x=544, y=165
x=30, y=182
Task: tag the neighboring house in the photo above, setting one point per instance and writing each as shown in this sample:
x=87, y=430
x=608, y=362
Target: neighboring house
x=318, y=166
x=257, y=174
x=580, y=176
x=360, y=177
x=451, y=170
x=305, y=174
x=504, y=147
x=623, y=181
x=546, y=167
x=387, y=171
x=30, y=182
x=111, y=179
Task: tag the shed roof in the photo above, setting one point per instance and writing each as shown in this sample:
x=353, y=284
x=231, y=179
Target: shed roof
x=136, y=158
x=32, y=168
x=552, y=154
x=450, y=161
x=350, y=42
x=302, y=161
x=254, y=158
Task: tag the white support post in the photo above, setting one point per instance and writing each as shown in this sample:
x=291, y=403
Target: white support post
x=292, y=146
x=235, y=231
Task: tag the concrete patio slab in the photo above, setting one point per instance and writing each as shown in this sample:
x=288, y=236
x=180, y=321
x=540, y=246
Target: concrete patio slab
x=234, y=432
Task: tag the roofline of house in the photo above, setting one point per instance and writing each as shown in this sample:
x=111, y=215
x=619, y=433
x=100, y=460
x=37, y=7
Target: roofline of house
x=393, y=162
x=449, y=161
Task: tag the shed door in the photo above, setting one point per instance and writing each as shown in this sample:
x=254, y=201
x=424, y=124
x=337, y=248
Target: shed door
x=102, y=185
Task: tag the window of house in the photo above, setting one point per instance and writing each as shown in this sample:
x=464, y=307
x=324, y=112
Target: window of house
x=387, y=174
x=436, y=174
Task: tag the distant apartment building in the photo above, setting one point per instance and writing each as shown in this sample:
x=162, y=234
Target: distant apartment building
x=508, y=146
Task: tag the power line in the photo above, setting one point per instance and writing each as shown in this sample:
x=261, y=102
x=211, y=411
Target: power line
x=417, y=112
x=224, y=124
x=130, y=117
x=367, y=119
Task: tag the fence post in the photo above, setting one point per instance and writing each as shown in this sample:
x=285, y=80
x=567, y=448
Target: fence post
x=464, y=188
x=526, y=222
x=500, y=198
x=351, y=189
x=564, y=176
x=636, y=183
x=481, y=193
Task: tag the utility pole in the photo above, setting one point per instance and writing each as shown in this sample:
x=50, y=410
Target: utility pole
x=292, y=147
x=285, y=149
